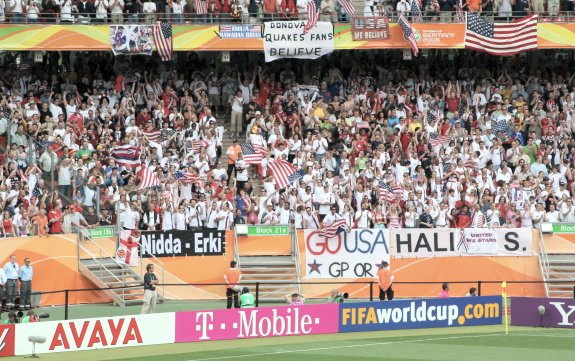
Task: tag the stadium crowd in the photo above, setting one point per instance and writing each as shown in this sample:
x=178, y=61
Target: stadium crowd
x=467, y=141
x=253, y=11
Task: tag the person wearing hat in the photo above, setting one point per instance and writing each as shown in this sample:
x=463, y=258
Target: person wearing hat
x=385, y=280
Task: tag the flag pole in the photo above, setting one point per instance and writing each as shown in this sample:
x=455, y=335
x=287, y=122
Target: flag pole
x=505, y=312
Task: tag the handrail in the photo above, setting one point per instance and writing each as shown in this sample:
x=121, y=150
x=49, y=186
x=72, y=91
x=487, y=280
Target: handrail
x=191, y=17
x=543, y=260
x=82, y=232
x=295, y=252
x=236, y=249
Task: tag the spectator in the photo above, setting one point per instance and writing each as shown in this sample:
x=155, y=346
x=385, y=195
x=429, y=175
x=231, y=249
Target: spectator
x=444, y=291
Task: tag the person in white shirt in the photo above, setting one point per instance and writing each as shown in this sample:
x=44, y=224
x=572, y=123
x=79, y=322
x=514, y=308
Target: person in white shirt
x=101, y=10
x=285, y=215
x=403, y=7
x=325, y=199
x=193, y=211
x=225, y=218
x=211, y=216
x=319, y=146
x=310, y=219
x=331, y=217
x=236, y=122
x=363, y=217
x=269, y=216
x=131, y=217
x=117, y=11
x=552, y=216
x=178, y=7
x=180, y=219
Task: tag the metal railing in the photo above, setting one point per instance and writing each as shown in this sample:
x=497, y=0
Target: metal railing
x=295, y=252
x=543, y=260
x=190, y=17
x=373, y=288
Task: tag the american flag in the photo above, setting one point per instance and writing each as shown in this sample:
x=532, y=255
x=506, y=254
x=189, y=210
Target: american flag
x=408, y=34
x=415, y=11
x=313, y=10
x=153, y=135
x=284, y=173
x=127, y=155
x=253, y=154
x=347, y=5
x=333, y=229
x=186, y=177
x=166, y=133
x=387, y=192
x=437, y=140
x=201, y=7
x=149, y=179
x=460, y=15
x=198, y=144
x=163, y=40
x=469, y=163
x=501, y=38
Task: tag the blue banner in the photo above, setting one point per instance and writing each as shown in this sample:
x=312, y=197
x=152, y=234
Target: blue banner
x=428, y=313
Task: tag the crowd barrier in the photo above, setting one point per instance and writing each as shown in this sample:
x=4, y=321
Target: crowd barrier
x=237, y=324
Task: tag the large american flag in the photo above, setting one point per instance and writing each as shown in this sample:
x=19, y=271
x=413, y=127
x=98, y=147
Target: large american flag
x=437, y=140
x=313, y=10
x=386, y=192
x=284, y=173
x=149, y=179
x=333, y=229
x=126, y=155
x=201, y=7
x=163, y=40
x=408, y=34
x=347, y=5
x=501, y=38
x=253, y=154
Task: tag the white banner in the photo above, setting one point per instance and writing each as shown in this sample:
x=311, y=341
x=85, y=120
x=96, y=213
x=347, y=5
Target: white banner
x=128, y=252
x=354, y=254
x=286, y=39
x=450, y=242
x=97, y=333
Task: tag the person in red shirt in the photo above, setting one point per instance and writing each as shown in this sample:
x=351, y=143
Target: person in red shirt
x=463, y=218
x=55, y=220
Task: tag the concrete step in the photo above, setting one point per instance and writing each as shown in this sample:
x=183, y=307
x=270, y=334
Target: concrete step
x=266, y=269
x=255, y=275
x=561, y=286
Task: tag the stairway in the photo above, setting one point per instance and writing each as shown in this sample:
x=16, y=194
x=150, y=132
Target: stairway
x=561, y=275
x=277, y=275
x=107, y=273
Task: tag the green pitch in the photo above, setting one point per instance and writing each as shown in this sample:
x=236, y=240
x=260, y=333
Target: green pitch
x=483, y=343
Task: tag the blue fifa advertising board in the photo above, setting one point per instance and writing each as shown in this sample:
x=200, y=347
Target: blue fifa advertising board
x=425, y=313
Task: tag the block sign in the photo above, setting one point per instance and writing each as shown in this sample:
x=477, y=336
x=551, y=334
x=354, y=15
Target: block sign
x=370, y=28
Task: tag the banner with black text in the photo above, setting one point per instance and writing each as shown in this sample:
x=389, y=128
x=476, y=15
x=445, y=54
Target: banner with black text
x=286, y=39
x=182, y=243
x=354, y=254
x=450, y=242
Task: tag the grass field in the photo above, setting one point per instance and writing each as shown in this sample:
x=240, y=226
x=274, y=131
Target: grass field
x=457, y=344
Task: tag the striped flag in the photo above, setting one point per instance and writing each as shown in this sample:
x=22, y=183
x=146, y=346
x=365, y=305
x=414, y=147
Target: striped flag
x=127, y=155
x=437, y=140
x=149, y=179
x=347, y=5
x=460, y=14
x=386, y=192
x=186, y=177
x=408, y=34
x=313, y=10
x=201, y=7
x=501, y=38
x=253, y=154
x=415, y=11
x=198, y=144
x=284, y=173
x=152, y=135
x=166, y=133
x=333, y=229
x=163, y=40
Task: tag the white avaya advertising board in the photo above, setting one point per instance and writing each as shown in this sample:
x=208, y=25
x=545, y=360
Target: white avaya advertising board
x=450, y=242
x=97, y=333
